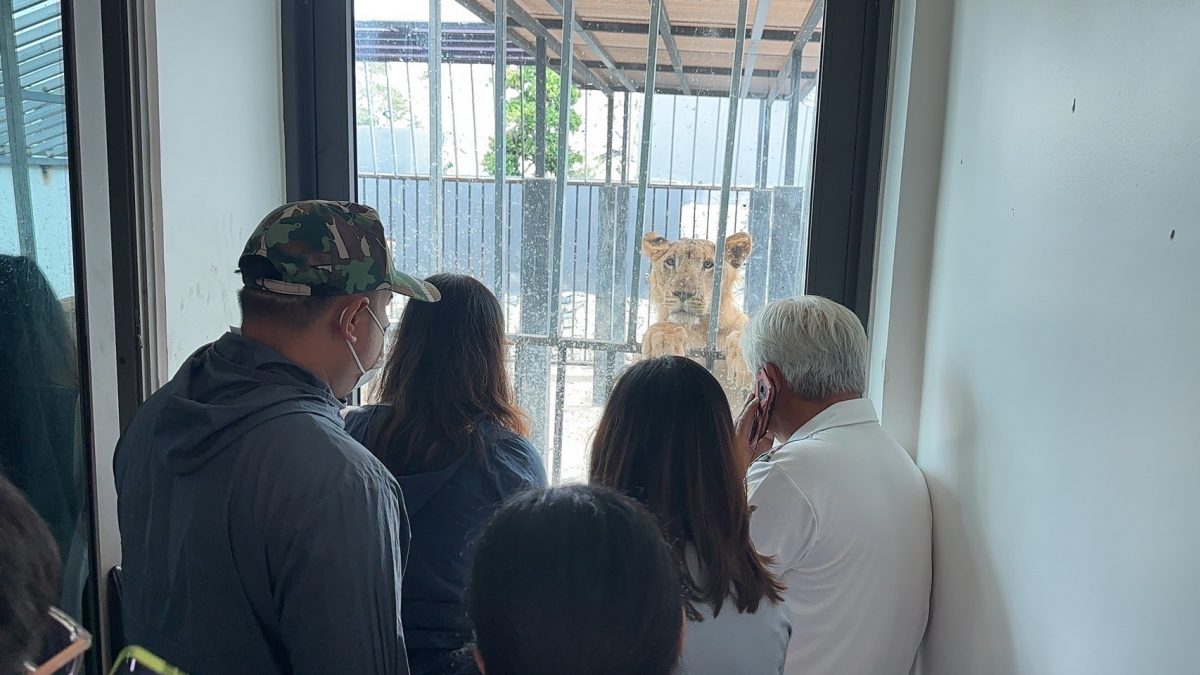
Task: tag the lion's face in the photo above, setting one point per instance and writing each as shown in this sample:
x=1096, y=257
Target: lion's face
x=681, y=273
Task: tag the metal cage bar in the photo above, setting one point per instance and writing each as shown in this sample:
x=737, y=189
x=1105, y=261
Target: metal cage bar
x=435, y=133
x=499, y=88
x=635, y=276
x=726, y=180
x=560, y=174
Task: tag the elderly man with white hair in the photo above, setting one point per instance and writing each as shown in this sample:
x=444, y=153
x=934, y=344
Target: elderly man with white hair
x=838, y=504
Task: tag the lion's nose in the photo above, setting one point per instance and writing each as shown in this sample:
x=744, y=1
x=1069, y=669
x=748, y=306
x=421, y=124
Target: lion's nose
x=684, y=295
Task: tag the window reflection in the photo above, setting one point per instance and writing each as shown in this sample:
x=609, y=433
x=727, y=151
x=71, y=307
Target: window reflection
x=42, y=449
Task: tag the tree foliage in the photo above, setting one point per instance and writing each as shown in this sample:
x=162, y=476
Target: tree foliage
x=372, y=98
x=520, y=137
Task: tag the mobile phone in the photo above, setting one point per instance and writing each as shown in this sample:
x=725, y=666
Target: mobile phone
x=764, y=391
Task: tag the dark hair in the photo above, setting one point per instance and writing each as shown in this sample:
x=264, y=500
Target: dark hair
x=289, y=311
x=29, y=577
x=667, y=439
x=444, y=375
x=574, y=579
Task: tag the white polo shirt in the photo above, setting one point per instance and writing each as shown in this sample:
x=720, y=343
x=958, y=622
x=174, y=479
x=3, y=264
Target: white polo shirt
x=845, y=514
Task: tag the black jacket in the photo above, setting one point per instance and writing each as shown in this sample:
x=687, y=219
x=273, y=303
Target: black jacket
x=447, y=508
x=256, y=535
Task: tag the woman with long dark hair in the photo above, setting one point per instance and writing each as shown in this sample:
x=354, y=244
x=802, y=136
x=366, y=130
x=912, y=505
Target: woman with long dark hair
x=667, y=439
x=575, y=580
x=448, y=427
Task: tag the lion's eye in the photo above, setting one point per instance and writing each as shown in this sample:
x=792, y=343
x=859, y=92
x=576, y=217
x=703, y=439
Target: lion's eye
x=708, y=264
x=669, y=262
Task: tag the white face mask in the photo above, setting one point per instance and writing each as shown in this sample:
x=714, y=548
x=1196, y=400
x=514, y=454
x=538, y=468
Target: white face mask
x=368, y=374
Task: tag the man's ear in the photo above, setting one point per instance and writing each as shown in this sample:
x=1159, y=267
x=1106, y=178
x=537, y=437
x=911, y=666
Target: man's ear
x=346, y=316
x=654, y=245
x=737, y=248
x=778, y=383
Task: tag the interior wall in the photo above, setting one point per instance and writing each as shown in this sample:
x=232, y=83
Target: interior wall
x=1061, y=378
x=908, y=205
x=221, y=155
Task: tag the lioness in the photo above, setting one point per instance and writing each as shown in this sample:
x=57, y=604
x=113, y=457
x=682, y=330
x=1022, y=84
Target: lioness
x=681, y=283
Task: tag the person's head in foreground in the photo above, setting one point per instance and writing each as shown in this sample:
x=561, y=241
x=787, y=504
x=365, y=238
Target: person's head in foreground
x=666, y=439
x=29, y=577
x=575, y=579
x=318, y=280
x=445, y=375
x=812, y=352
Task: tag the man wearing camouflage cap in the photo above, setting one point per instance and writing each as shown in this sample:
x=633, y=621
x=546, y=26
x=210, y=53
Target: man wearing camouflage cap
x=257, y=536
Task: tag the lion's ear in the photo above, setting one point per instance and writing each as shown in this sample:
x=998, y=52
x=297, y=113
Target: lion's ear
x=737, y=248
x=654, y=245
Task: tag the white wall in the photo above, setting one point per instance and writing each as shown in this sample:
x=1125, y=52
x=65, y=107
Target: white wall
x=1061, y=380
x=221, y=141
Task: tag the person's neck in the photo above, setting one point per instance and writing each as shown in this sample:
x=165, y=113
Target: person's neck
x=793, y=412
x=297, y=347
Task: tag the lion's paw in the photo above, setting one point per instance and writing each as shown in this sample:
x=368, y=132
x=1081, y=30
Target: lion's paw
x=665, y=339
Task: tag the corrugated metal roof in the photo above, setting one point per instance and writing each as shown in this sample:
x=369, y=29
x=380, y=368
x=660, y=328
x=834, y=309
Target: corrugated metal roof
x=39, y=48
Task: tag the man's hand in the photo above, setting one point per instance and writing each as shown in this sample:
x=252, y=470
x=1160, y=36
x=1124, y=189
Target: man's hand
x=750, y=450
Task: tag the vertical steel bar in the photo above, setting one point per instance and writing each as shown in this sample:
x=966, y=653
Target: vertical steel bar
x=474, y=107
x=539, y=110
x=499, y=89
x=625, y=140
x=608, y=146
x=560, y=173
x=620, y=237
x=412, y=123
x=695, y=138
x=560, y=379
x=587, y=265
x=716, y=141
x=793, y=123
x=603, y=362
x=635, y=276
x=586, y=169
x=671, y=152
x=726, y=178
x=434, y=48
x=391, y=114
x=764, y=144
x=454, y=162
x=370, y=117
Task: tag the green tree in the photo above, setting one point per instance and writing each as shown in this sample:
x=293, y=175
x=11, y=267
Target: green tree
x=372, y=97
x=520, y=110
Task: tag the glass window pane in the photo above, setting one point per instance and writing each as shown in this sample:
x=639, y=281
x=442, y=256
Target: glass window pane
x=42, y=449
x=670, y=162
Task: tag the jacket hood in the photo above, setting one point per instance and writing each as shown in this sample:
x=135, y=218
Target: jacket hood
x=225, y=389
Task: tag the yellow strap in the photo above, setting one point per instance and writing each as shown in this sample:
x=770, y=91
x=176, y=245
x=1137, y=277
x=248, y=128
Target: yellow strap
x=142, y=657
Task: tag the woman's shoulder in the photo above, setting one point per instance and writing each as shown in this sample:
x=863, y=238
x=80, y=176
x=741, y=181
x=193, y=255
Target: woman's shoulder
x=733, y=641
x=513, y=459
x=364, y=422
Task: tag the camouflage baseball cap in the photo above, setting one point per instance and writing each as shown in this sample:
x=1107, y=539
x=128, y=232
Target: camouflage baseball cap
x=319, y=247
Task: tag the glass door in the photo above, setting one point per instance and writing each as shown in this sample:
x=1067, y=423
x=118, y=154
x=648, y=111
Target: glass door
x=577, y=181
x=43, y=446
